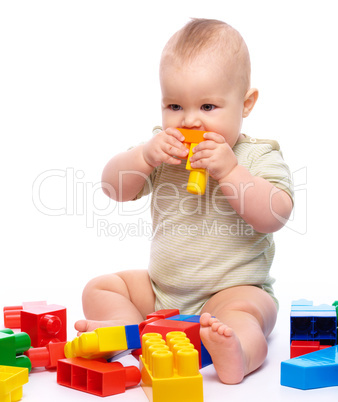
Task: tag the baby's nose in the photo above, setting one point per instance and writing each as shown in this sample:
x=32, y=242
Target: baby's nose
x=191, y=120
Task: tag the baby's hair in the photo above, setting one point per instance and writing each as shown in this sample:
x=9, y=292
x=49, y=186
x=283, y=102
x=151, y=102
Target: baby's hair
x=209, y=36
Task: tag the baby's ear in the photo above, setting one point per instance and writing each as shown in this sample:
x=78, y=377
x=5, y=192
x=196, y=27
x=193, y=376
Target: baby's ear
x=249, y=101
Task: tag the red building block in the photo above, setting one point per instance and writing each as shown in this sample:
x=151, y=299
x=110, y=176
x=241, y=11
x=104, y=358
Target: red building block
x=300, y=348
x=96, y=377
x=12, y=314
x=12, y=317
x=44, y=323
x=164, y=313
x=157, y=315
x=47, y=356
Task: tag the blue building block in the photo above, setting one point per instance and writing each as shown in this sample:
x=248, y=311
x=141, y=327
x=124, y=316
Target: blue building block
x=302, y=302
x=180, y=317
x=313, y=323
x=205, y=356
x=314, y=370
x=193, y=318
x=133, y=336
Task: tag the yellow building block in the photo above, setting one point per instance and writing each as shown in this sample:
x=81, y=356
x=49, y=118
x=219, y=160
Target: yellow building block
x=100, y=343
x=198, y=178
x=11, y=381
x=170, y=370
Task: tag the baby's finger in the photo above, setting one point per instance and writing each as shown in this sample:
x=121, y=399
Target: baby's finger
x=214, y=137
x=204, y=145
x=172, y=161
x=175, y=133
x=176, y=146
x=180, y=151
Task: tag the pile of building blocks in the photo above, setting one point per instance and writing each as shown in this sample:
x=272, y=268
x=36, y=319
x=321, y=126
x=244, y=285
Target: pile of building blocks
x=11, y=381
x=313, y=351
x=170, y=369
x=86, y=363
x=39, y=344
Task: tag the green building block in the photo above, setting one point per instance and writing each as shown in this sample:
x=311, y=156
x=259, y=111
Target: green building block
x=12, y=347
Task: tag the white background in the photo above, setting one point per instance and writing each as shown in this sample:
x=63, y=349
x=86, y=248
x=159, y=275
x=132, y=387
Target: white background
x=79, y=83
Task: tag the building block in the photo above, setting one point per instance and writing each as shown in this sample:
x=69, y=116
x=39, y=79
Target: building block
x=12, y=314
x=96, y=377
x=170, y=369
x=163, y=326
x=300, y=348
x=314, y=370
x=198, y=178
x=11, y=381
x=12, y=347
x=12, y=317
x=158, y=315
x=205, y=358
x=47, y=356
x=175, y=317
x=313, y=323
x=133, y=336
x=164, y=313
x=102, y=342
x=182, y=317
x=44, y=323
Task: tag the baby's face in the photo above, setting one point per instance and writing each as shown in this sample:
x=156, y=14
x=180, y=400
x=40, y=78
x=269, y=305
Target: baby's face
x=202, y=96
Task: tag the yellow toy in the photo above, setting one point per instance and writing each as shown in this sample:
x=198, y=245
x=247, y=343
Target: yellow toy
x=198, y=178
x=103, y=342
x=11, y=381
x=170, y=370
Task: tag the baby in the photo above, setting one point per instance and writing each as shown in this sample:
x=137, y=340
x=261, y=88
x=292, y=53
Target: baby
x=210, y=254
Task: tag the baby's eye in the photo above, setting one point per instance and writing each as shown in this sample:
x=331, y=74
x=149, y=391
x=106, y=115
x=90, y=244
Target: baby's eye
x=208, y=107
x=175, y=107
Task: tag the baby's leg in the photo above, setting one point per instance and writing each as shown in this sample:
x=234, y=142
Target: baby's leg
x=117, y=299
x=236, y=338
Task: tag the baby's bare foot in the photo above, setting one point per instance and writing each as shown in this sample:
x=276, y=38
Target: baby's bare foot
x=224, y=348
x=89, y=325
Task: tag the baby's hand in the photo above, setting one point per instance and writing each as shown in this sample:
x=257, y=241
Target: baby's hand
x=215, y=155
x=166, y=147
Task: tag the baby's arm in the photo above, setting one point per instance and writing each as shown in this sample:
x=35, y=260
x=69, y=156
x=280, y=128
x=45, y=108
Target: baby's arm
x=120, y=185
x=262, y=205
x=125, y=174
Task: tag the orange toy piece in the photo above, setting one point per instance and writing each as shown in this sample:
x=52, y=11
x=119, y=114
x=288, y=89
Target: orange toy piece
x=198, y=178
